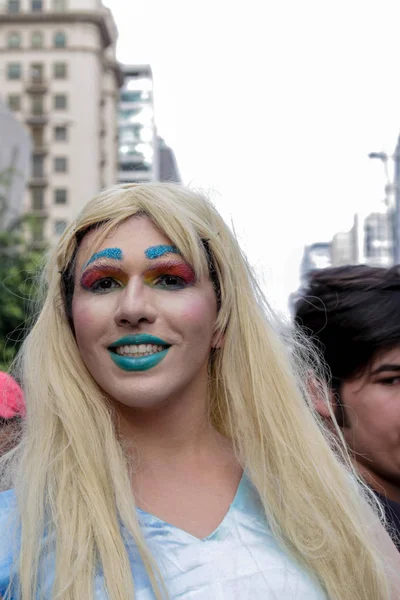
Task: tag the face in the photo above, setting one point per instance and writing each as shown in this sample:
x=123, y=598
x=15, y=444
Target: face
x=372, y=406
x=144, y=324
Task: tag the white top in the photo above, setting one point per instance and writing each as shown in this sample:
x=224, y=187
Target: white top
x=240, y=560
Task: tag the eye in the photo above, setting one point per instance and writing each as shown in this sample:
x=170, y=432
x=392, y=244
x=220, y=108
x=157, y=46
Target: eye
x=104, y=285
x=170, y=282
x=390, y=380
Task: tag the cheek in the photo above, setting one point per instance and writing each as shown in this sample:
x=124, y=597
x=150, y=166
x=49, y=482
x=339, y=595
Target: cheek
x=375, y=410
x=198, y=314
x=87, y=320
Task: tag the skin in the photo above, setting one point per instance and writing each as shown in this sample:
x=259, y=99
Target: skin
x=372, y=405
x=188, y=475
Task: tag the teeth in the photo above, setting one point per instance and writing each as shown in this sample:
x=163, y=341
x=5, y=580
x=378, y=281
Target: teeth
x=139, y=349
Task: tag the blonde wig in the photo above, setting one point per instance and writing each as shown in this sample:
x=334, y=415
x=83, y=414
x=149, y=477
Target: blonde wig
x=73, y=479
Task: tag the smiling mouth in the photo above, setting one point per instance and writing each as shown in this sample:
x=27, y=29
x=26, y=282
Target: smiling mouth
x=138, y=350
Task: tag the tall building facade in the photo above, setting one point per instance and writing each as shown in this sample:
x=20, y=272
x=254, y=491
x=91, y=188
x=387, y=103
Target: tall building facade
x=59, y=75
x=15, y=165
x=142, y=154
x=137, y=156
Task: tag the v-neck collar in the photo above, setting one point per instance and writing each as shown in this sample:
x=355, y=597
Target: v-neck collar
x=147, y=518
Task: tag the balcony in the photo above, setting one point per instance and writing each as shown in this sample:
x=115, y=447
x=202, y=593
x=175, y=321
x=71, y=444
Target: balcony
x=39, y=213
x=36, y=85
x=36, y=117
x=40, y=148
x=38, y=180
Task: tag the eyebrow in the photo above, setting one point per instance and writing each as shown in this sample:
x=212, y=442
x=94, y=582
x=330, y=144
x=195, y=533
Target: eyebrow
x=158, y=251
x=113, y=253
x=385, y=368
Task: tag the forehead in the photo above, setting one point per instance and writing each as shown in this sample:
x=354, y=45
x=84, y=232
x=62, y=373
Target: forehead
x=133, y=237
x=387, y=357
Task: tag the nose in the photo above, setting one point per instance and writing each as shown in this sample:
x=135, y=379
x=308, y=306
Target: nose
x=135, y=306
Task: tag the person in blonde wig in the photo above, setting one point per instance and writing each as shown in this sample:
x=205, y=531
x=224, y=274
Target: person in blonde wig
x=170, y=449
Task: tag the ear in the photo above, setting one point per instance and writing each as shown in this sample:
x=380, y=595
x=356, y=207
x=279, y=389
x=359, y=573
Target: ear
x=217, y=340
x=322, y=405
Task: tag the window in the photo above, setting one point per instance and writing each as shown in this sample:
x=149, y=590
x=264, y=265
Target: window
x=60, y=70
x=37, y=104
x=59, y=39
x=14, y=70
x=14, y=102
x=38, y=136
x=133, y=166
x=135, y=96
x=37, y=198
x=60, y=164
x=37, y=39
x=37, y=5
x=60, y=101
x=59, y=226
x=37, y=165
x=130, y=114
x=59, y=5
x=60, y=196
x=36, y=72
x=60, y=134
x=14, y=40
x=13, y=6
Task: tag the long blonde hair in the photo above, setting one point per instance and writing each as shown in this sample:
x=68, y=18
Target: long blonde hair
x=73, y=483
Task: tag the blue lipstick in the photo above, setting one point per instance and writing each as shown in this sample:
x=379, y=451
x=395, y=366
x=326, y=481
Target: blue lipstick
x=138, y=363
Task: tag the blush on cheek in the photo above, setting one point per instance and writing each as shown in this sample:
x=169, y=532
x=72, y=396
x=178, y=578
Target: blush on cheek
x=84, y=320
x=198, y=311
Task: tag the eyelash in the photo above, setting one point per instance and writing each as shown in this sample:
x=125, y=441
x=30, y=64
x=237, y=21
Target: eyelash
x=97, y=290
x=181, y=283
x=159, y=281
x=390, y=380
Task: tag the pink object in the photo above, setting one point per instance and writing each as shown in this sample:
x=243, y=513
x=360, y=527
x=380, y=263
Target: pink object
x=12, y=402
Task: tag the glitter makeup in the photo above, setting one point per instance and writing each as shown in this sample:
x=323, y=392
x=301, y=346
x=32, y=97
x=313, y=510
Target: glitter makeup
x=157, y=275
x=111, y=253
x=98, y=272
x=158, y=251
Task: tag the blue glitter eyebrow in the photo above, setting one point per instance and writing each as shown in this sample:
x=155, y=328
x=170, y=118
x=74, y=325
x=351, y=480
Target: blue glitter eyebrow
x=157, y=251
x=113, y=253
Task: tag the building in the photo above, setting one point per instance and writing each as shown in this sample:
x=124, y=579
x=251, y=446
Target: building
x=59, y=75
x=379, y=238
x=15, y=164
x=316, y=256
x=137, y=156
x=370, y=241
x=142, y=154
x=345, y=246
x=167, y=167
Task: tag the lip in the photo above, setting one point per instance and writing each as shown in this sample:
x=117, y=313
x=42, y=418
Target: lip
x=139, y=338
x=141, y=363
x=138, y=363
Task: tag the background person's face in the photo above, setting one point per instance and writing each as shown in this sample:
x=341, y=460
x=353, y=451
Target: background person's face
x=125, y=292
x=372, y=407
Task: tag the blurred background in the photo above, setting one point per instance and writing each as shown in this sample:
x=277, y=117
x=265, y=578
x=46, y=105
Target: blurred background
x=286, y=113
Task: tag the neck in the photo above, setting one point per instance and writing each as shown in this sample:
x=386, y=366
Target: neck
x=175, y=432
x=378, y=483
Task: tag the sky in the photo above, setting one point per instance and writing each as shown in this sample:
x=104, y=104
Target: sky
x=271, y=108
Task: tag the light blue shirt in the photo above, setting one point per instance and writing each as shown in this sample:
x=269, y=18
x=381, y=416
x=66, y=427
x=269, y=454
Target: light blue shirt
x=240, y=560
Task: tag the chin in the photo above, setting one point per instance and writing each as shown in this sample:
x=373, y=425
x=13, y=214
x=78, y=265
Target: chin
x=141, y=400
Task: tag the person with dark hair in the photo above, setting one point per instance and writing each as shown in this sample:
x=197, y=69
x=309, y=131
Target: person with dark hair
x=352, y=315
